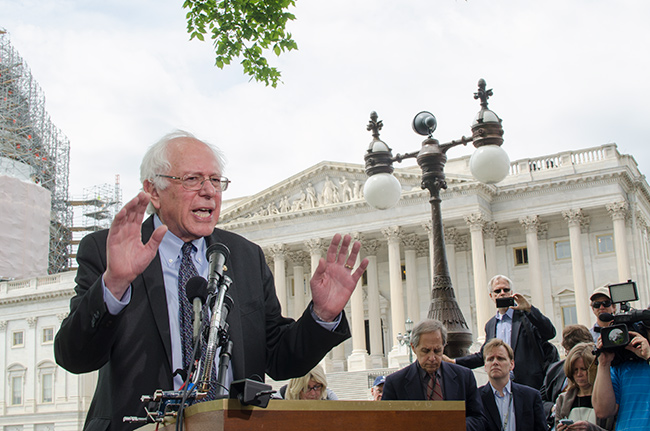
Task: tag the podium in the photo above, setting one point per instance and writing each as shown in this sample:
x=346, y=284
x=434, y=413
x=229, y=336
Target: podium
x=230, y=415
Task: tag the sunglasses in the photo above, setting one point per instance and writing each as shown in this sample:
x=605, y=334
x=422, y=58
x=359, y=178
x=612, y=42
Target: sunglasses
x=497, y=291
x=597, y=304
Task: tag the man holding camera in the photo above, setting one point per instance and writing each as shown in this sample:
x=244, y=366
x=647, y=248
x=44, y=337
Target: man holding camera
x=523, y=327
x=601, y=303
x=623, y=388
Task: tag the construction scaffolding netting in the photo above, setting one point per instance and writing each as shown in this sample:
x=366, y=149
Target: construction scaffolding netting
x=34, y=149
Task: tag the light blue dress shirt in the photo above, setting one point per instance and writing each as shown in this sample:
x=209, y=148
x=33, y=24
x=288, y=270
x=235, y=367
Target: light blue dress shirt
x=506, y=407
x=504, y=326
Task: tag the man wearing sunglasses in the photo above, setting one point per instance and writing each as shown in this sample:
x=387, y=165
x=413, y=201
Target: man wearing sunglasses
x=601, y=303
x=524, y=328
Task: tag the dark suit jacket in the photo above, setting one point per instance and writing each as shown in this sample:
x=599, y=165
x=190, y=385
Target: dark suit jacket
x=132, y=350
x=552, y=387
x=529, y=363
x=529, y=410
x=458, y=384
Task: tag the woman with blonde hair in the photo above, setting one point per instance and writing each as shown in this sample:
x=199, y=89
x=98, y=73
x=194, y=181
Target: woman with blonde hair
x=575, y=403
x=312, y=386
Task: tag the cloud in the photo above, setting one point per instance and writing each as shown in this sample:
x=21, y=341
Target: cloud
x=119, y=75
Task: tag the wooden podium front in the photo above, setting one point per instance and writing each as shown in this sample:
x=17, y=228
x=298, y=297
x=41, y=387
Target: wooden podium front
x=230, y=415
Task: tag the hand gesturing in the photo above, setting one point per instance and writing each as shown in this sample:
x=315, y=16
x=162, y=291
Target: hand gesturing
x=333, y=281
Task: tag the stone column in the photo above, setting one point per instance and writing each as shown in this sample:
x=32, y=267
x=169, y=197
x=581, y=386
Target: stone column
x=451, y=238
x=476, y=222
x=619, y=211
x=411, y=243
x=531, y=225
x=299, y=258
x=370, y=248
x=576, y=219
x=490, y=233
x=359, y=359
x=393, y=235
x=279, y=254
x=429, y=230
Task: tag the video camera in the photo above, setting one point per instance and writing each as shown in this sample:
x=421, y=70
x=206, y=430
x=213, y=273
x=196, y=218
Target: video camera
x=616, y=336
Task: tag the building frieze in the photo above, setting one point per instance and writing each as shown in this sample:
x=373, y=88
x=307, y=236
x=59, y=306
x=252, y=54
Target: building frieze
x=37, y=297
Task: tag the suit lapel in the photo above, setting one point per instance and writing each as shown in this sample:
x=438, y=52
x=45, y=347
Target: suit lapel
x=490, y=405
x=491, y=328
x=516, y=327
x=154, y=286
x=518, y=402
x=450, y=384
x=412, y=384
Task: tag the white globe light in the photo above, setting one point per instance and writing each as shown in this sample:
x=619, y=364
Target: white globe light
x=489, y=164
x=382, y=191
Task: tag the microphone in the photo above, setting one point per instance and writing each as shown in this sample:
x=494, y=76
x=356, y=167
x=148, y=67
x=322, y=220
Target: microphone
x=218, y=329
x=197, y=292
x=629, y=317
x=606, y=317
x=217, y=255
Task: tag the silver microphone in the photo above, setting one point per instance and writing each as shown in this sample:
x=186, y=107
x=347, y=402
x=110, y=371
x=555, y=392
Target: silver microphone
x=220, y=312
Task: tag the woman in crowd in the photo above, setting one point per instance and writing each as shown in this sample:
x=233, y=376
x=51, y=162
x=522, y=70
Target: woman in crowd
x=575, y=403
x=312, y=386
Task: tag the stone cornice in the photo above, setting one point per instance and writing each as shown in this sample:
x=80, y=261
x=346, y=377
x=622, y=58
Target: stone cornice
x=572, y=182
x=37, y=297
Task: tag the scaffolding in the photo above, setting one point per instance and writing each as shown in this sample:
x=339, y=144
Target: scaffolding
x=32, y=148
x=94, y=211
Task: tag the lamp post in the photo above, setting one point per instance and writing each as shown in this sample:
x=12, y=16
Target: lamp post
x=489, y=164
x=405, y=340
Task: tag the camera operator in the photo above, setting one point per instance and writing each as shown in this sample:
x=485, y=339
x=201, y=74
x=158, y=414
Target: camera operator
x=623, y=388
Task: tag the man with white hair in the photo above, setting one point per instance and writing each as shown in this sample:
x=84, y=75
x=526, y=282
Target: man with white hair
x=524, y=328
x=129, y=317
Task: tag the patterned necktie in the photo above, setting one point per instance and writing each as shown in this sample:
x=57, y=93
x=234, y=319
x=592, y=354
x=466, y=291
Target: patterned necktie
x=185, y=309
x=186, y=315
x=434, y=391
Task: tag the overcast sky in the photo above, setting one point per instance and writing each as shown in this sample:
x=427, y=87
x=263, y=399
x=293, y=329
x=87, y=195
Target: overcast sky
x=118, y=75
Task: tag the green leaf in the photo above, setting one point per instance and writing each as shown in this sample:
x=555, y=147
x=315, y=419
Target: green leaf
x=243, y=29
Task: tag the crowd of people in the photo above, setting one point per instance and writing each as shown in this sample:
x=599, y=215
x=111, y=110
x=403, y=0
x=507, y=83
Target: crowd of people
x=131, y=320
x=523, y=391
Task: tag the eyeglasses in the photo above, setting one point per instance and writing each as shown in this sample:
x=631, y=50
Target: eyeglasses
x=505, y=290
x=605, y=303
x=194, y=182
x=315, y=388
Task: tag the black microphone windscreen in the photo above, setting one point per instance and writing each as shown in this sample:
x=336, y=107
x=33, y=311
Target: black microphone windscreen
x=218, y=248
x=606, y=317
x=197, y=287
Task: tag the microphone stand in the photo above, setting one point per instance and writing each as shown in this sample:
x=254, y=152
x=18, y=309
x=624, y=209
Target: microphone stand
x=218, y=337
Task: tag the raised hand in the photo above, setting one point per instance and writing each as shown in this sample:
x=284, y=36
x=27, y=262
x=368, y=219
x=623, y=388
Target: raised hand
x=522, y=302
x=126, y=255
x=333, y=281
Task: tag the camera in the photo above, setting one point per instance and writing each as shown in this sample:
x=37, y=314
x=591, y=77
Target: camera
x=616, y=336
x=566, y=421
x=505, y=302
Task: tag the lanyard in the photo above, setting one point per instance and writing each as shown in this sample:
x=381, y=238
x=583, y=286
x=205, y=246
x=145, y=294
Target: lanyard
x=505, y=419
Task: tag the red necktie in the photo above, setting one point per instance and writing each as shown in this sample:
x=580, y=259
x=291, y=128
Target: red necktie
x=434, y=391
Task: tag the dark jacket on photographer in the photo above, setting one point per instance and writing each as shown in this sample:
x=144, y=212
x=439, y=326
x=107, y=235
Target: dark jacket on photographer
x=564, y=405
x=533, y=353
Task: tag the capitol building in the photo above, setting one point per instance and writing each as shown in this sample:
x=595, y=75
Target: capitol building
x=558, y=226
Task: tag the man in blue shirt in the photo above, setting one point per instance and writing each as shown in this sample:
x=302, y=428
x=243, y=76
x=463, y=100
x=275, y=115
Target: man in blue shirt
x=623, y=389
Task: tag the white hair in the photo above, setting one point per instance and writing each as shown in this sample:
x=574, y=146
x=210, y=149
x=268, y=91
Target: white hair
x=498, y=277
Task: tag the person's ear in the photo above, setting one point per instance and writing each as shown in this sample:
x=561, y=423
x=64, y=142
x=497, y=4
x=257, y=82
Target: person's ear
x=152, y=190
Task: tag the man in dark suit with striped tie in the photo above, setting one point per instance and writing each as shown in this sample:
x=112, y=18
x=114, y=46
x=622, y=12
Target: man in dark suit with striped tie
x=428, y=378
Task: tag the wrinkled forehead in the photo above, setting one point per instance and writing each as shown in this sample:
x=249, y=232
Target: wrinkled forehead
x=191, y=155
